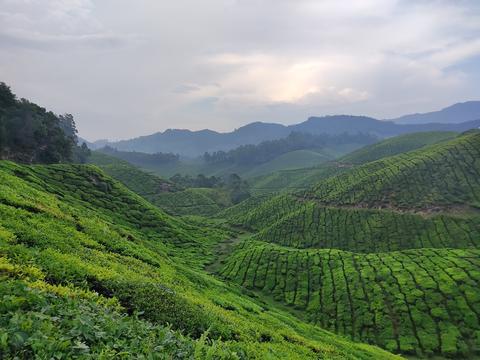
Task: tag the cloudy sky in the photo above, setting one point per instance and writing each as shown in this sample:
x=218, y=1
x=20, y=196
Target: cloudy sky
x=125, y=68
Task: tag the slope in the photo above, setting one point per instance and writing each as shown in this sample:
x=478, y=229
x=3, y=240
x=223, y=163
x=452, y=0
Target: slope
x=438, y=177
x=167, y=195
x=396, y=145
x=292, y=160
x=304, y=178
x=405, y=229
x=89, y=269
x=422, y=302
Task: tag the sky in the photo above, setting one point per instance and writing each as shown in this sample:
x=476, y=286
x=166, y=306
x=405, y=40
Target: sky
x=128, y=68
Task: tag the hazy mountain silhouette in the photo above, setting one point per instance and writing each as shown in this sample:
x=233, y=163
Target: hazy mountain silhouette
x=195, y=143
x=456, y=113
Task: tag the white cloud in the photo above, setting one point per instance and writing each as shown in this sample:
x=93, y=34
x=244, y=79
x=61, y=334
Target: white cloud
x=221, y=64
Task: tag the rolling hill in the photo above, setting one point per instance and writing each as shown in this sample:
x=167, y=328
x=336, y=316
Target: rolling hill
x=437, y=177
x=385, y=252
x=422, y=302
x=304, y=178
x=370, y=255
x=291, y=160
x=170, y=197
x=396, y=145
x=90, y=269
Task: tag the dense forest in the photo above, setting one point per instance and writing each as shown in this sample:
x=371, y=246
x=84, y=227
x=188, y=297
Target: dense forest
x=268, y=150
x=31, y=134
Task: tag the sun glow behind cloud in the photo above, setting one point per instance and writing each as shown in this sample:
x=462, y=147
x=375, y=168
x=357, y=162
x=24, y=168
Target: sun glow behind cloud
x=129, y=68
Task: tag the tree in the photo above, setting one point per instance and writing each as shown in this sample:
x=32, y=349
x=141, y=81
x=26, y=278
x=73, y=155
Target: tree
x=82, y=153
x=29, y=133
x=67, y=123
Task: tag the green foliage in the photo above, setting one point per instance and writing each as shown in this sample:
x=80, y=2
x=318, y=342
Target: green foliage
x=69, y=233
x=295, y=180
x=412, y=220
x=302, y=179
x=292, y=221
x=171, y=196
x=81, y=154
x=37, y=323
x=396, y=145
x=30, y=134
x=421, y=302
x=194, y=201
x=89, y=269
x=439, y=176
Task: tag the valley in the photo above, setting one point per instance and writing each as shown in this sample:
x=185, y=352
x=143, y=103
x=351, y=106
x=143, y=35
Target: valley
x=371, y=252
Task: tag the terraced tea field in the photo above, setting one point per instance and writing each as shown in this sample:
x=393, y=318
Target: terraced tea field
x=441, y=176
x=292, y=221
x=89, y=269
x=415, y=302
x=303, y=179
x=396, y=145
x=386, y=252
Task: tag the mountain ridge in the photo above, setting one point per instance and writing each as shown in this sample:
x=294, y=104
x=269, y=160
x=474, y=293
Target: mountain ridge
x=458, y=117
x=456, y=113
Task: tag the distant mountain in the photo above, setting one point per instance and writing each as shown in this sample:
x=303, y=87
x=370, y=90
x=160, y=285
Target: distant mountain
x=456, y=113
x=195, y=143
x=95, y=144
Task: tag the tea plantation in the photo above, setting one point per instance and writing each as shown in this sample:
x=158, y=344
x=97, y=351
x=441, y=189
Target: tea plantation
x=301, y=179
x=384, y=253
x=167, y=195
x=88, y=269
x=421, y=302
x=440, y=176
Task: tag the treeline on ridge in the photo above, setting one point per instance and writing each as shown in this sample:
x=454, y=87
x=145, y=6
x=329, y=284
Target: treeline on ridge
x=268, y=150
x=141, y=158
x=31, y=134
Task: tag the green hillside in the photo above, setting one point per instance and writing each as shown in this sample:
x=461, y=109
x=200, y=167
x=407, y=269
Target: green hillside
x=139, y=181
x=292, y=160
x=290, y=221
x=294, y=180
x=307, y=177
x=385, y=252
x=193, y=201
x=90, y=270
x=396, y=145
x=414, y=302
x=439, y=176
x=167, y=195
